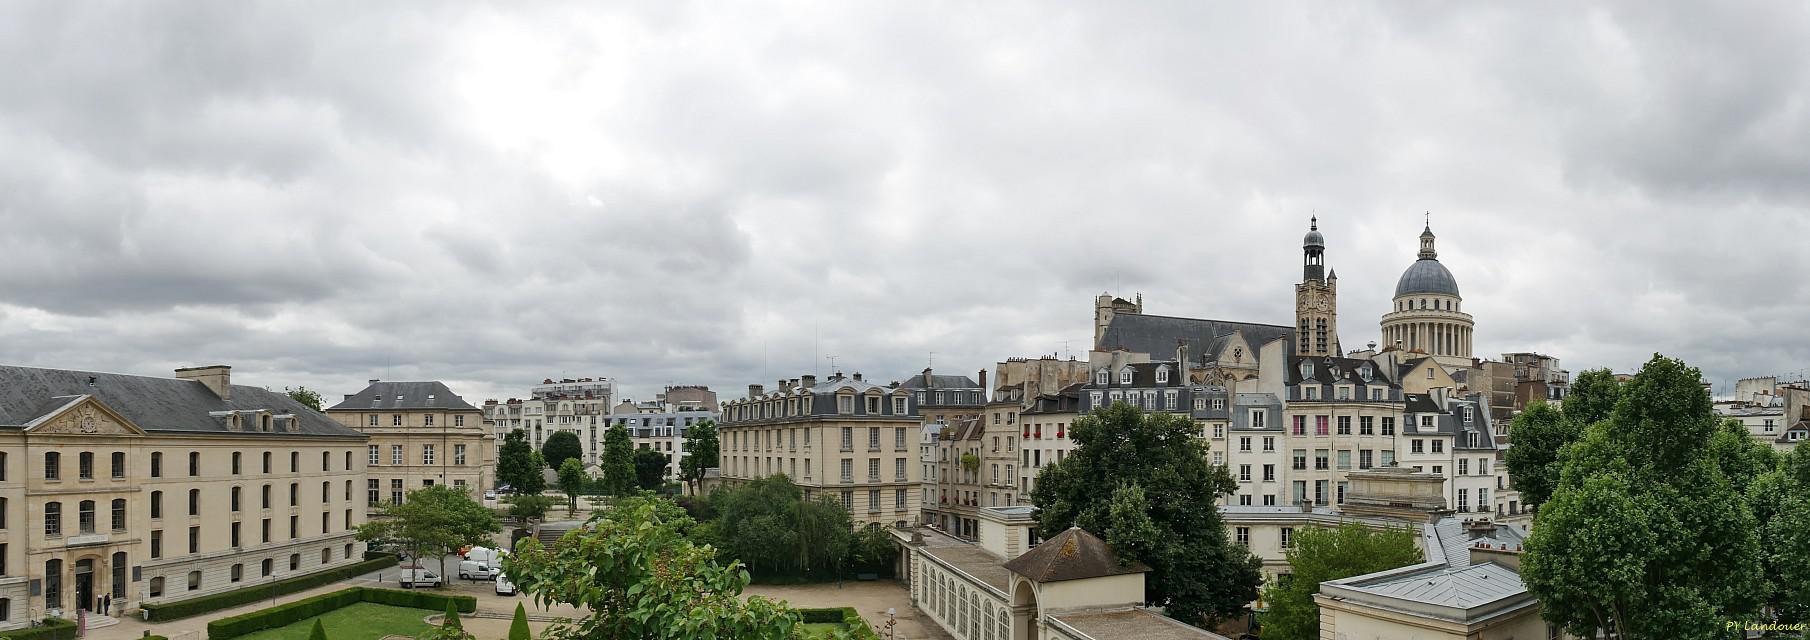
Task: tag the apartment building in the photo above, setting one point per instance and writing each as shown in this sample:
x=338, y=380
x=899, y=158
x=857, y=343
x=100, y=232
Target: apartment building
x=421, y=434
x=155, y=490
x=847, y=438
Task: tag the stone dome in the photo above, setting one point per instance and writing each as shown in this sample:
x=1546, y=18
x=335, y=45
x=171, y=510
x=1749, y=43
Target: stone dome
x=1426, y=275
x=1313, y=239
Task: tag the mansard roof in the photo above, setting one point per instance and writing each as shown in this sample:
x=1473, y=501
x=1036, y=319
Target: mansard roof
x=1159, y=335
x=153, y=404
x=401, y=396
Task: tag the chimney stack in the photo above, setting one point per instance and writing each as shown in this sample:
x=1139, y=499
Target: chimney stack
x=857, y=376
x=927, y=378
x=808, y=380
x=218, y=378
x=754, y=391
x=983, y=384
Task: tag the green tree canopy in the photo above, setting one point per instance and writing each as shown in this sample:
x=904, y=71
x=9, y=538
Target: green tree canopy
x=650, y=468
x=308, y=397
x=1592, y=397
x=529, y=508
x=1319, y=554
x=700, y=453
x=1533, y=461
x=571, y=481
x=639, y=577
x=433, y=522
x=618, y=461
x=1644, y=536
x=519, y=465
x=560, y=447
x=1138, y=480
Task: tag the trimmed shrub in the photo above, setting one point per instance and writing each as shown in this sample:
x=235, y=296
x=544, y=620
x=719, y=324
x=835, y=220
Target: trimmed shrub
x=518, y=627
x=196, y=606
x=306, y=608
x=857, y=626
x=318, y=632
x=50, y=629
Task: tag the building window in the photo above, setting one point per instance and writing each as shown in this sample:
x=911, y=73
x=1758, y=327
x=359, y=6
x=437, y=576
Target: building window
x=156, y=464
x=1344, y=425
x=156, y=543
x=1125, y=375
x=266, y=462
x=1242, y=535
x=1417, y=446
x=1162, y=375
x=195, y=539
x=235, y=498
x=265, y=568
x=157, y=587
x=194, y=464
x=1288, y=537
x=156, y=505
x=238, y=572
x=396, y=454
x=1320, y=457
x=1300, y=460
x=1244, y=473
x=427, y=454
x=194, y=502
x=84, y=466
x=1344, y=458
x=372, y=449
x=1366, y=425
x=1269, y=444
x=295, y=561
x=1388, y=425
x=53, y=465
x=1244, y=443
x=396, y=420
x=459, y=454
x=348, y=460
x=1269, y=473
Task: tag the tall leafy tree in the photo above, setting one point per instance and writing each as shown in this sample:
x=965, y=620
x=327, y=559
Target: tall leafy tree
x=1320, y=554
x=701, y=451
x=1644, y=536
x=560, y=447
x=618, y=461
x=308, y=397
x=1592, y=397
x=528, y=509
x=637, y=575
x=571, y=482
x=432, y=522
x=650, y=468
x=519, y=465
x=1780, y=499
x=1533, y=460
x=1138, y=481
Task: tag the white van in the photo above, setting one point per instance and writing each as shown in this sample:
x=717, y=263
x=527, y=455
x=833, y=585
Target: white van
x=475, y=570
x=492, y=558
x=415, y=575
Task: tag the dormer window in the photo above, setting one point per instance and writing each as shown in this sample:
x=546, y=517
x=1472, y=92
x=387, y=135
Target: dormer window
x=1467, y=413
x=1162, y=375
x=1307, y=369
x=1365, y=372
x=1125, y=375
x=264, y=423
x=1104, y=378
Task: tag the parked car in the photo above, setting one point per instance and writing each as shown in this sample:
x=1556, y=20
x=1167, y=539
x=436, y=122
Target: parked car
x=489, y=495
x=503, y=586
x=416, y=575
x=476, y=570
x=485, y=555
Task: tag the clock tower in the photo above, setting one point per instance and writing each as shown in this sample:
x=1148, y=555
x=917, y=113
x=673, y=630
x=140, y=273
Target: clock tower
x=1316, y=299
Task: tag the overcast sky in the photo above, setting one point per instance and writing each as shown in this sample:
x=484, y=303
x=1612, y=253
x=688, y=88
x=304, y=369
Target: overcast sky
x=726, y=193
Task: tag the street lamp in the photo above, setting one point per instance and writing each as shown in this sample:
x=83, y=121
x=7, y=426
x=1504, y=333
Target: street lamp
x=890, y=622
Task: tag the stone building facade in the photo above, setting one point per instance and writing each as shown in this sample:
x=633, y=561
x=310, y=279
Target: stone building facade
x=421, y=434
x=847, y=438
x=154, y=490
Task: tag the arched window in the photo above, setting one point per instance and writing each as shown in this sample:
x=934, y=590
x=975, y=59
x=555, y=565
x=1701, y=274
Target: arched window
x=326, y=555
x=53, y=463
x=194, y=580
x=238, y=572
x=156, y=505
x=157, y=587
x=6, y=609
x=295, y=561
x=194, y=502
x=1005, y=624
x=326, y=461
x=266, y=494
x=119, y=514
x=265, y=567
x=235, y=499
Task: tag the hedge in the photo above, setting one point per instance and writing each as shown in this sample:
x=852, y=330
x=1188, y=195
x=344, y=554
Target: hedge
x=306, y=608
x=174, y=610
x=857, y=626
x=50, y=629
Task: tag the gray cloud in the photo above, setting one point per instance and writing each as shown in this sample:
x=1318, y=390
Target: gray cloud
x=720, y=194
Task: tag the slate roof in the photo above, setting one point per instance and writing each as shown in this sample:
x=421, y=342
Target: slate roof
x=404, y=396
x=939, y=381
x=1157, y=335
x=1143, y=374
x=1452, y=586
x=1347, y=370
x=1068, y=400
x=153, y=404
x=1074, y=554
x=1131, y=622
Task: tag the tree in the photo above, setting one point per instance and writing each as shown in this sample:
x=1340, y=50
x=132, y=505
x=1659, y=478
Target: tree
x=518, y=627
x=1319, y=554
x=528, y=509
x=1644, y=536
x=650, y=468
x=433, y=521
x=450, y=628
x=560, y=447
x=1533, y=461
x=1138, y=481
x=701, y=453
x=633, y=569
x=308, y=397
x=618, y=461
x=451, y=618
x=519, y=465
x=1592, y=398
x=571, y=481
x=318, y=632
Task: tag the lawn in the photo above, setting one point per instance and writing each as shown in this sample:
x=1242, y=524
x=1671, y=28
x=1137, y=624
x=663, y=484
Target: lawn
x=822, y=629
x=361, y=621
